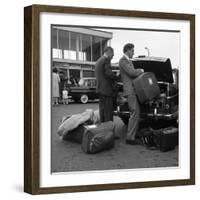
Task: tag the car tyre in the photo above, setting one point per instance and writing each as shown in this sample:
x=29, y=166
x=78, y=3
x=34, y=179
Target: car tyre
x=84, y=98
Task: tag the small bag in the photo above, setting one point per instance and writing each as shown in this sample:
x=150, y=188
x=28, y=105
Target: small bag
x=148, y=138
x=168, y=138
x=98, y=137
x=164, y=139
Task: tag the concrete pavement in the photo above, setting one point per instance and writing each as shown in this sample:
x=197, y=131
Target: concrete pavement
x=68, y=156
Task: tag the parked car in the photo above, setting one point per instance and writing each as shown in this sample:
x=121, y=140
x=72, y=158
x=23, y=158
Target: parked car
x=85, y=91
x=164, y=107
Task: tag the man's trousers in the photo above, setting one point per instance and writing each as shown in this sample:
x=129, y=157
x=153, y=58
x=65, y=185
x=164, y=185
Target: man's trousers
x=105, y=108
x=133, y=123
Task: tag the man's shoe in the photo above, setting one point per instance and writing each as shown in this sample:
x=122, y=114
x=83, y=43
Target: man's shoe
x=133, y=142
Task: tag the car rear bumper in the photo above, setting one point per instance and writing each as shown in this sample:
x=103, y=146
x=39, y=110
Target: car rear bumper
x=149, y=115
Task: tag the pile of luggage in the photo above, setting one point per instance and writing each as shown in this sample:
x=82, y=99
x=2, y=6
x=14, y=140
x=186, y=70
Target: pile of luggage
x=85, y=129
x=94, y=137
x=164, y=139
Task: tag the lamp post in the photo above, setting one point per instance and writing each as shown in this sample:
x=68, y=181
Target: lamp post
x=147, y=51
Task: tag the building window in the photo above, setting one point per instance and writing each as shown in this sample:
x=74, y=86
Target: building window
x=82, y=53
x=57, y=53
x=86, y=47
x=77, y=46
x=98, y=46
x=55, y=44
x=87, y=73
x=74, y=75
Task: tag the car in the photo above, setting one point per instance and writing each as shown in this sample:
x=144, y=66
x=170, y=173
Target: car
x=84, y=91
x=163, y=108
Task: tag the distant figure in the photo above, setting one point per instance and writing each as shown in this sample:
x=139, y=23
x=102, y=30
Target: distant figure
x=65, y=96
x=55, y=86
x=105, y=80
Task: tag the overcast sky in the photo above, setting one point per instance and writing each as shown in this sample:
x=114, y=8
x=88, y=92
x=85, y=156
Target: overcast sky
x=160, y=44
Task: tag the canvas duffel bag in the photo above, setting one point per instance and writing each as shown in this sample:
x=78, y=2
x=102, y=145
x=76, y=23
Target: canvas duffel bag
x=76, y=134
x=70, y=123
x=98, y=137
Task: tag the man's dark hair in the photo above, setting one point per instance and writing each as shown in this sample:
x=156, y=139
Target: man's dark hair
x=127, y=47
x=108, y=49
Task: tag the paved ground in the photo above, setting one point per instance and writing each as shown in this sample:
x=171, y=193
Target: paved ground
x=68, y=156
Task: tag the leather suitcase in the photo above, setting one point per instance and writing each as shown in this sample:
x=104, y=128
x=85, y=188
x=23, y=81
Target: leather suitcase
x=168, y=138
x=146, y=87
x=98, y=137
x=164, y=139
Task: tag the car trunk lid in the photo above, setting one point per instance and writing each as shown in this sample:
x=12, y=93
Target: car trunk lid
x=161, y=67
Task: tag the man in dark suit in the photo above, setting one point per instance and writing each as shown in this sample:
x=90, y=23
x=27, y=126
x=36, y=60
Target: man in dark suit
x=128, y=73
x=105, y=80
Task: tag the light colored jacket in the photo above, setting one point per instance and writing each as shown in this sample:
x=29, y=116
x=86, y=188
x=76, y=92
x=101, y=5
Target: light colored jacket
x=128, y=73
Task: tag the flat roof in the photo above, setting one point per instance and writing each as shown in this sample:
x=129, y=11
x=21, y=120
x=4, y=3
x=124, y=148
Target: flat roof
x=73, y=61
x=87, y=31
x=80, y=62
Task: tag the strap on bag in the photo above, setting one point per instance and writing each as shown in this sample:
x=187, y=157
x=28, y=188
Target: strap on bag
x=150, y=138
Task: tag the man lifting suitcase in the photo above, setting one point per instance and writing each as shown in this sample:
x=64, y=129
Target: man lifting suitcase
x=128, y=73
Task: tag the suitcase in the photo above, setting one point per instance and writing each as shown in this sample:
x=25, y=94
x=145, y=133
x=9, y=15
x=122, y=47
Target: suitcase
x=97, y=138
x=146, y=87
x=164, y=139
x=168, y=138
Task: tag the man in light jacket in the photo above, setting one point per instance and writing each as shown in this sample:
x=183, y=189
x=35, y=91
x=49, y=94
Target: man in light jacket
x=128, y=73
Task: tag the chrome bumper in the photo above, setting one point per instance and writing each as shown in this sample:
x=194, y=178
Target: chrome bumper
x=150, y=115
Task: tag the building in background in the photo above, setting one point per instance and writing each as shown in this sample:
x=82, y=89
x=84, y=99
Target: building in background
x=75, y=50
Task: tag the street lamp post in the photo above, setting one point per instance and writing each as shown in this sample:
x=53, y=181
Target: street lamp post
x=147, y=51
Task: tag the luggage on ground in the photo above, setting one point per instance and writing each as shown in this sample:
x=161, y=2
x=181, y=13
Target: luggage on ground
x=148, y=138
x=146, y=87
x=70, y=123
x=164, y=139
x=168, y=138
x=98, y=137
x=76, y=135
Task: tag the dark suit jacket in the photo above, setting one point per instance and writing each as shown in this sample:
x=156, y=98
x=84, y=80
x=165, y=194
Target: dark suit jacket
x=105, y=77
x=128, y=73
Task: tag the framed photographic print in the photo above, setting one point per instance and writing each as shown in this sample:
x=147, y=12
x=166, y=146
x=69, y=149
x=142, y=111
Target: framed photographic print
x=109, y=99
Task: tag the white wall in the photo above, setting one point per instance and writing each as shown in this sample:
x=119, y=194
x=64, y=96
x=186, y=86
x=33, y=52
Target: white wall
x=11, y=101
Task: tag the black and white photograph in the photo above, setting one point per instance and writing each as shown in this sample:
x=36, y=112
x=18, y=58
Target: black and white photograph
x=114, y=98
